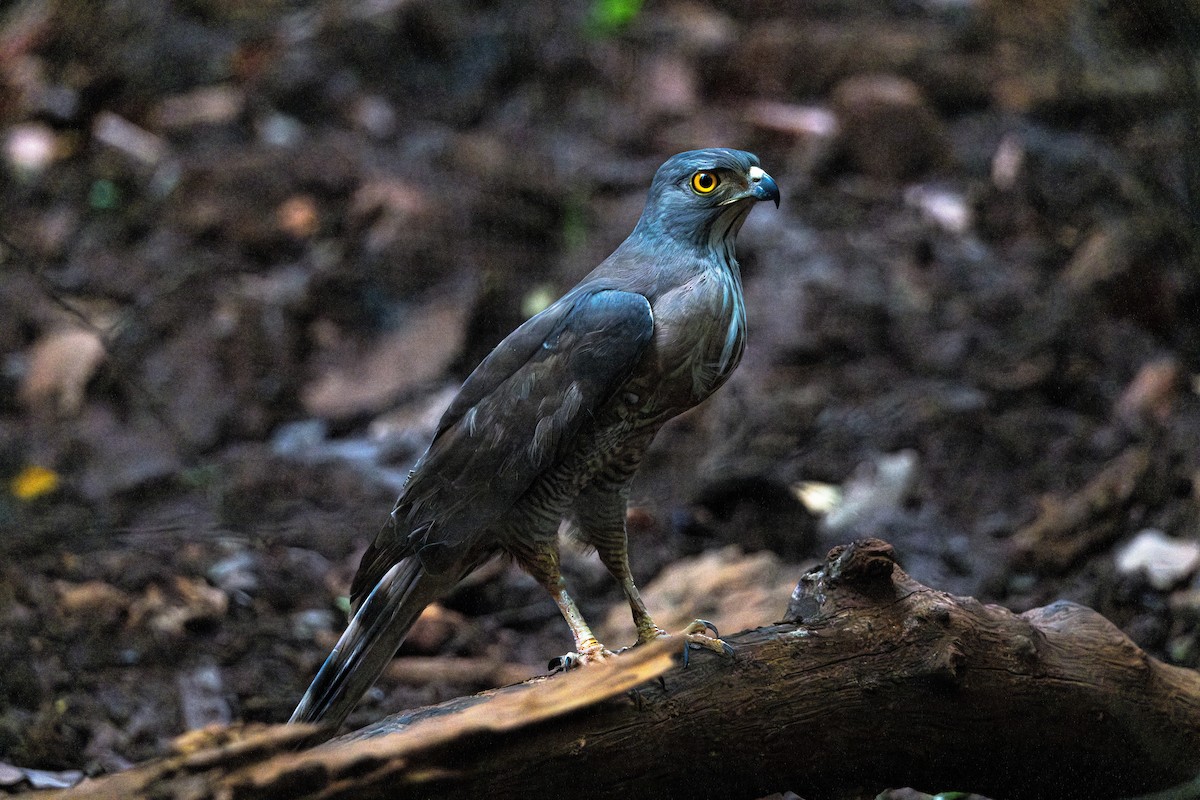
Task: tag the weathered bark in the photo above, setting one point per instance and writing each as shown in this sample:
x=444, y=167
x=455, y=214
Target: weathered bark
x=873, y=681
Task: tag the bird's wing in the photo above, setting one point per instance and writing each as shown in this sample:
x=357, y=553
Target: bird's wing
x=516, y=416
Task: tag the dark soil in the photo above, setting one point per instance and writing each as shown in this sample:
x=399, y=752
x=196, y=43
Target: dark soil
x=293, y=227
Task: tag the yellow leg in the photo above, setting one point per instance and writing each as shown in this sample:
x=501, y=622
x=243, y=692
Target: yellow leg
x=585, y=640
x=614, y=553
x=603, y=527
x=543, y=565
x=647, y=629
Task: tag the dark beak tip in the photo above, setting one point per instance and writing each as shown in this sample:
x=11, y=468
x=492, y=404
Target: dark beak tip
x=767, y=189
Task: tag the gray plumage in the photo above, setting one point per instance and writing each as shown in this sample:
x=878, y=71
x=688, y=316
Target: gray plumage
x=553, y=424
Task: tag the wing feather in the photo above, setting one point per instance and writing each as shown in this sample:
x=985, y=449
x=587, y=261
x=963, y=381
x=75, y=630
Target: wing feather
x=517, y=415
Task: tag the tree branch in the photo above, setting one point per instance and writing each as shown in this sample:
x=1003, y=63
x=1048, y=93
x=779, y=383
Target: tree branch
x=873, y=681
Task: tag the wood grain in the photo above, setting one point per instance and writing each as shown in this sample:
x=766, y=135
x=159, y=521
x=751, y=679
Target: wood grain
x=873, y=681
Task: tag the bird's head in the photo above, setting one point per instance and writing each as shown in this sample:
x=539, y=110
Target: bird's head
x=702, y=197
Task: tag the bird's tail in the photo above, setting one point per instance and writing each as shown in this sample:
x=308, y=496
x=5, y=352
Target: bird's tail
x=370, y=640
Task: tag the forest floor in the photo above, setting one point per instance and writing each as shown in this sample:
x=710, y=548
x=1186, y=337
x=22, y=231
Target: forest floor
x=250, y=249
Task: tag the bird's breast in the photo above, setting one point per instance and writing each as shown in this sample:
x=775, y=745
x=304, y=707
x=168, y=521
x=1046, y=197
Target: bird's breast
x=699, y=336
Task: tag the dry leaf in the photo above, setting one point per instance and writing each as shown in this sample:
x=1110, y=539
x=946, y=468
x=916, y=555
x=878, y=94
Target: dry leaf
x=60, y=366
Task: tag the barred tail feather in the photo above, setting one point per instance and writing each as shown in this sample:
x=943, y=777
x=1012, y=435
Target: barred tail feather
x=370, y=641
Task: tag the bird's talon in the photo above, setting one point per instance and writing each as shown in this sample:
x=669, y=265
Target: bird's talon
x=708, y=643
x=569, y=661
x=701, y=625
x=562, y=663
x=699, y=640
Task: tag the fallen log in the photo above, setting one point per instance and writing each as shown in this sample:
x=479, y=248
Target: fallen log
x=872, y=681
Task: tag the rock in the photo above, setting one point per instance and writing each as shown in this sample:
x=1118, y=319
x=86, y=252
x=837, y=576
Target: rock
x=12, y=777
x=238, y=573
x=1165, y=561
x=202, y=698
x=889, y=130
x=305, y=625
x=875, y=486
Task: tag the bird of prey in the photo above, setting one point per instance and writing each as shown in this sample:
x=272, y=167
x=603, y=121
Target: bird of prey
x=552, y=425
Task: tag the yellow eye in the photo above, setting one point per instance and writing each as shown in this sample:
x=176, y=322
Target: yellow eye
x=705, y=182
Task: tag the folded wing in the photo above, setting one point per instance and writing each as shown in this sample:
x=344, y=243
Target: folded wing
x=517, y=415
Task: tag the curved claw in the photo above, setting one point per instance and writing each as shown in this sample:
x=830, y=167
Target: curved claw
x=726, y=648
x=696, y=635
x=562, y=663
x=570, y=661
x=701, y=625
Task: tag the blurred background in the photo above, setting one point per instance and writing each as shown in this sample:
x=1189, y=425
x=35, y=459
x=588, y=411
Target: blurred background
x=249, y=249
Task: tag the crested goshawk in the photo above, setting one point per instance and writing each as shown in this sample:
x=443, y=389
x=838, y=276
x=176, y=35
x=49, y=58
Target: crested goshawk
x=554, y=422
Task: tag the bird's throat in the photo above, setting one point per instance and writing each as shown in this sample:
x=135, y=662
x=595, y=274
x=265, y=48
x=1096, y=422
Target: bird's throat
x=722, y=234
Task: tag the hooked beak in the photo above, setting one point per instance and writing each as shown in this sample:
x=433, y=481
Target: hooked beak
x=762, y=186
